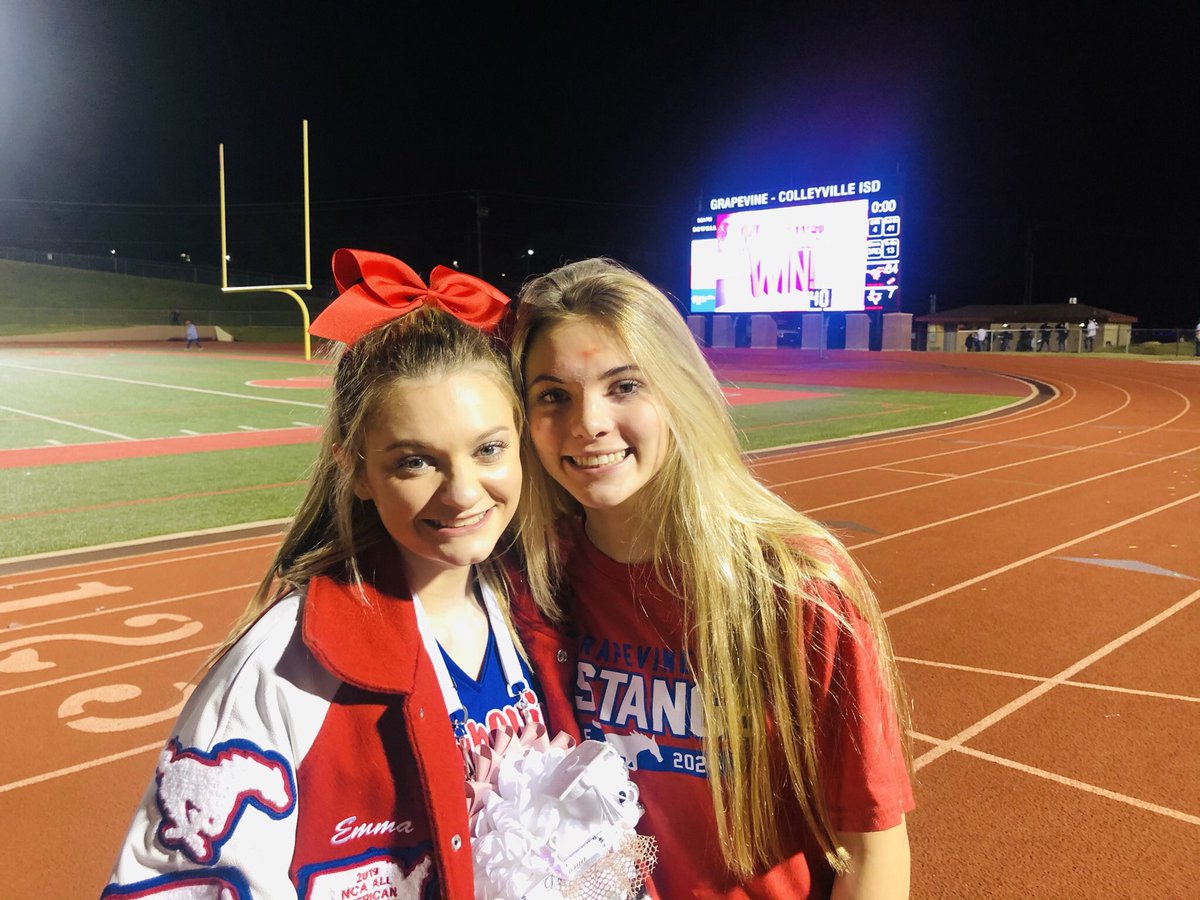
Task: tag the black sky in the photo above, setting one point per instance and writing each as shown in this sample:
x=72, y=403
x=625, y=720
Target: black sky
x=596, y=128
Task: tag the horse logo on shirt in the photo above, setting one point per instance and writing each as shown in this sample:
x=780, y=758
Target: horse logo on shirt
x=202, y=795
x=631, y=745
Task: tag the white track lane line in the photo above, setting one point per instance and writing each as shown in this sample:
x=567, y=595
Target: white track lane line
x=83, y=676
x=32, y=415
x=124, y=608
x=953, y=429
x=1068, y=782
x=1013, y=502
x=974, y=448
x=83, y=590
x=1020, y=676
x=1008, y=567
x=779, y=454
x=972, y=731
x=139, y=564
x=81, y=767
x=169, y=387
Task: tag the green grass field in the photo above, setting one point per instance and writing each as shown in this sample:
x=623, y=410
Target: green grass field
x=77, y=399
x=852, y=411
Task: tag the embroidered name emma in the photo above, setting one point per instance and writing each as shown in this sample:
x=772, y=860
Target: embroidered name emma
x=346, y=830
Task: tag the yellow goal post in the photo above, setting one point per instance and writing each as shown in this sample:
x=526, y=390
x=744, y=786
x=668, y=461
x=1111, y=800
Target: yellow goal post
x=289, y=289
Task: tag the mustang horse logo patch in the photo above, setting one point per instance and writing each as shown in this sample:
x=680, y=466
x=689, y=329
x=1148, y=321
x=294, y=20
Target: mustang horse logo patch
x=203, y=795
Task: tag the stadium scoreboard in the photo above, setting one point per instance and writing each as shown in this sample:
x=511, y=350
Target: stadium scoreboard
x=803, y=248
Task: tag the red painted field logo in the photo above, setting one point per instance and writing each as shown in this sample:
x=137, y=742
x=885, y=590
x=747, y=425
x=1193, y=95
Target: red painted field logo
x=746, y=396
x=306, y=382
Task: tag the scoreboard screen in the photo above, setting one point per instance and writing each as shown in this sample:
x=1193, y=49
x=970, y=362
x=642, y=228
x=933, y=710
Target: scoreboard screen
x=828, y=247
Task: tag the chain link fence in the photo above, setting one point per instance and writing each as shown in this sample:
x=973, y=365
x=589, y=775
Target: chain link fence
x=1165, y=341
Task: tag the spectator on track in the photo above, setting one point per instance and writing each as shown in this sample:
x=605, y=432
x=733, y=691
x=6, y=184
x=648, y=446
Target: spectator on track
x=1198, y=338
x=1005, y=338
x=981, y=339
x=1089, y=334
x=1044, y=337
x=1025, y=339
x=663, y=543
x=191, y=336
x=327, y=741
x=1061, y=333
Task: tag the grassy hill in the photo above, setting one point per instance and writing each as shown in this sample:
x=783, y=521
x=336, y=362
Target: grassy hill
x=36, y=297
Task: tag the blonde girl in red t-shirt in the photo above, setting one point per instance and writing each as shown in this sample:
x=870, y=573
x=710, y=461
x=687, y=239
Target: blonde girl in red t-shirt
x=634, y=438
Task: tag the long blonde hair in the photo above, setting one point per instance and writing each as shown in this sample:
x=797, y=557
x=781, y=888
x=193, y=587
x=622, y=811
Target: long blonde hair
x=333, y=526
x=741, y=561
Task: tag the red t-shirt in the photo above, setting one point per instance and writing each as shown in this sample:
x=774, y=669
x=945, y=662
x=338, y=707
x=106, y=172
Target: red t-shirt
x=634, y=691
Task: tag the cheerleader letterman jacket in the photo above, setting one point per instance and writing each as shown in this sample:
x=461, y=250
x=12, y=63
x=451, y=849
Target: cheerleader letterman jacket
x=316, y=760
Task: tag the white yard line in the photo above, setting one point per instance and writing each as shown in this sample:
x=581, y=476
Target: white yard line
x=169, y=387
x=33, y=415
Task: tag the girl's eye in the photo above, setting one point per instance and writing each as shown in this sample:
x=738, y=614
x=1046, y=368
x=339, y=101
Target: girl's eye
x=492, y=450
x=552, y=396
x=627, y=386
x=412, y=464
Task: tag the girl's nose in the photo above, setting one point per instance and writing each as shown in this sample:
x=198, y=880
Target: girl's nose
x=462, y=489
x=593, y=419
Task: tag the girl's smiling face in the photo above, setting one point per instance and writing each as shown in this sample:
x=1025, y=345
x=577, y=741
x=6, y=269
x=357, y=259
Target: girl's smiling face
x=593, y=420
x=442, y=468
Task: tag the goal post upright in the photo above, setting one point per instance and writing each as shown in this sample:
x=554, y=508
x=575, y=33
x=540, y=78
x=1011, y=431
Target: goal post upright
x=289, y=289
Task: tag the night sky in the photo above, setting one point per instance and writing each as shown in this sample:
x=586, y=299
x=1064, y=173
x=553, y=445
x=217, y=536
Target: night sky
x=593, y=128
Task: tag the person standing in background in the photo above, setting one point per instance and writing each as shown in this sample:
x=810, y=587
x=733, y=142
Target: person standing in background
x=1089, y=334
x=1197, y=336
x=1061, y=333
x=191, y=335
x=1044, y=337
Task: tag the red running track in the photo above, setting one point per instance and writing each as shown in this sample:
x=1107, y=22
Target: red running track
x=1040, y=574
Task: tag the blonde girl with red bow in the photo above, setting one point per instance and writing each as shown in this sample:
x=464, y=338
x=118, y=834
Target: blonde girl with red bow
x=322, y=753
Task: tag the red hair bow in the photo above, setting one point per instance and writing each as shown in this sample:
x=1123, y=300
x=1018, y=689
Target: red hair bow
x=376, y=288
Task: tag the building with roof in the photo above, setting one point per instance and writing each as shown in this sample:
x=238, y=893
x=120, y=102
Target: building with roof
x=1017, y=326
